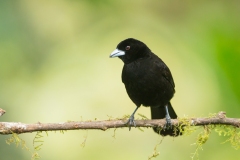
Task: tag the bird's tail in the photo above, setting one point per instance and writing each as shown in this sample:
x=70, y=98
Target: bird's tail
x=159, y=113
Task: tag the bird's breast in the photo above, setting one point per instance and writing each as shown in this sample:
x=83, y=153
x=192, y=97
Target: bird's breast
x=146, y=85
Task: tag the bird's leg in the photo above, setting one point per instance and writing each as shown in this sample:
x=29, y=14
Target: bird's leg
x=168, y=119
x=131, y=121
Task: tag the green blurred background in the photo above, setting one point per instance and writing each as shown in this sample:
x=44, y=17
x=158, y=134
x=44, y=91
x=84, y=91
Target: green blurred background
x=55, y=67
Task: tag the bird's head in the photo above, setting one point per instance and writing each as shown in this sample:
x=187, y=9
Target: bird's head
x=130, y=50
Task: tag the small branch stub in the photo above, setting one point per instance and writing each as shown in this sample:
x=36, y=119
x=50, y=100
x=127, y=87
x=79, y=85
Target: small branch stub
x=2, y=112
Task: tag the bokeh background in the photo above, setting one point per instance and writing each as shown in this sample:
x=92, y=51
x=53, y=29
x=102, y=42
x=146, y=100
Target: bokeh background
x=55, y=67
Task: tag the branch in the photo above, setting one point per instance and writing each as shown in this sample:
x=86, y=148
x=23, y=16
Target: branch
x=17, y=127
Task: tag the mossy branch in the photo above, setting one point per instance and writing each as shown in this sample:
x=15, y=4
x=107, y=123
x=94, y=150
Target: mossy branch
x=18, y=127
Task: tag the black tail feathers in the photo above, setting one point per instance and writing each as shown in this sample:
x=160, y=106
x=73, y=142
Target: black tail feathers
x=159, y=113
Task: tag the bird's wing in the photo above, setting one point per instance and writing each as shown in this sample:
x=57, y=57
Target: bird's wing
x=168, y=76
x=165, y=72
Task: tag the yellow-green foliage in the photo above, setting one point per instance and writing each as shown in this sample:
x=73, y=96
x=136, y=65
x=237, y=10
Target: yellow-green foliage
x=201, y=139
x=84, y=141
x=232, y=133
x=20, y=142
x=37, y=143
x=17, y=141
x=155, y=151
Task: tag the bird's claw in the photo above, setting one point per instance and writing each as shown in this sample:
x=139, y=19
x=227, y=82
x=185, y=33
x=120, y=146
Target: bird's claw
x=168, y=124
x=131, y=122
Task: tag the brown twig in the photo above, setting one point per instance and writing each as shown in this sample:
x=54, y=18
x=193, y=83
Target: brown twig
x=2, y=112
x=17, y=127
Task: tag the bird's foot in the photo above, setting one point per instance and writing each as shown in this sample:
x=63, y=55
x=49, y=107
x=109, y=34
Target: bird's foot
x=131, y=122
x=168, y=123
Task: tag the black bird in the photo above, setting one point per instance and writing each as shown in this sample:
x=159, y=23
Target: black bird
x=148, y=82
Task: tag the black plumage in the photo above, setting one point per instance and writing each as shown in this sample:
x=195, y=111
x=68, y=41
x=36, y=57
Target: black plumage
x=148, y=82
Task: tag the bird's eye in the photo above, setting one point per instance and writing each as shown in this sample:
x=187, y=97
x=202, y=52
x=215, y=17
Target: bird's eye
x=127, y=48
